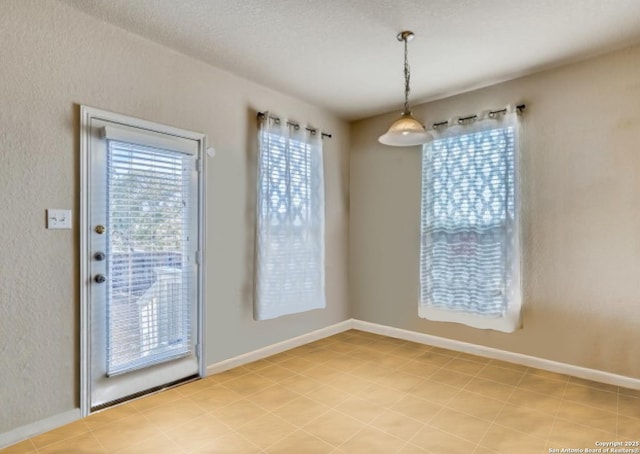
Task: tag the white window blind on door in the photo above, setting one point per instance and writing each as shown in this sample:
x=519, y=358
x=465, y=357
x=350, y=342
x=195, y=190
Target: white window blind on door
x=151, y=281
x=290, y=221
x=470, y=244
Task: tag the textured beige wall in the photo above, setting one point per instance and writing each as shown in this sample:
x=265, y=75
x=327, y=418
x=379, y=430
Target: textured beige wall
x=53, y=58
x=581, y=216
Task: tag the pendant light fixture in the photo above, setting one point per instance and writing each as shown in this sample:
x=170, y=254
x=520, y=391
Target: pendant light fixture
x=405, y=131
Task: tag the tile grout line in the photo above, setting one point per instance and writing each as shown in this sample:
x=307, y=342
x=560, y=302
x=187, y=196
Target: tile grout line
x=444, y=406
x=477, y=375
x=297, y=428
x=618, y=414
x=368, y=424
x=479, y=444
x=555, y=416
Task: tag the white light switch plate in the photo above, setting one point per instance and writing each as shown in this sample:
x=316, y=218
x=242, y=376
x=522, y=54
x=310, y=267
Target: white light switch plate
x=58, y=219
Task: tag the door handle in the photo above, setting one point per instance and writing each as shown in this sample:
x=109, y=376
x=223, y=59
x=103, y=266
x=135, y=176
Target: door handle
x=100, y=278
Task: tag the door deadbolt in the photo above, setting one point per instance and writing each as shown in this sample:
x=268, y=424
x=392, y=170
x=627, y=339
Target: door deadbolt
x=100, y=229
x=100, y=278
x=99, y=256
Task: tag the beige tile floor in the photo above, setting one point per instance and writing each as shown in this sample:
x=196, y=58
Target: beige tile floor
x=360, y=393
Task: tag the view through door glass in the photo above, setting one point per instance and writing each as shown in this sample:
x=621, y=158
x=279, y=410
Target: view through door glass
x=148, y=241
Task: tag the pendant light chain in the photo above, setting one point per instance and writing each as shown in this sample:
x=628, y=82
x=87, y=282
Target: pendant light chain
x=407, y=78
x=406, y=131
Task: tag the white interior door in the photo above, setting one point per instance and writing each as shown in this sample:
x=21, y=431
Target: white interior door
x=142, y=276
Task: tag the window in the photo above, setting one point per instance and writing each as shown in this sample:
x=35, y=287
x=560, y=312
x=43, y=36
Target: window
x=469, y=252
x=290, y=221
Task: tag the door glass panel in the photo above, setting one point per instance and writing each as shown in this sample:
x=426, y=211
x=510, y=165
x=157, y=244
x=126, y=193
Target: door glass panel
x=150, y=283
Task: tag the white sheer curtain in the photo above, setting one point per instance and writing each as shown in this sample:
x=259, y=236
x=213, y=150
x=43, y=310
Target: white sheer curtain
x=289, y=268
x=470, y=236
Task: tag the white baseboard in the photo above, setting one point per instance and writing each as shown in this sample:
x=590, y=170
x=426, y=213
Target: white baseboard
x=27, y=431
x=279, y=347
x=494, y=353
x=44, y=425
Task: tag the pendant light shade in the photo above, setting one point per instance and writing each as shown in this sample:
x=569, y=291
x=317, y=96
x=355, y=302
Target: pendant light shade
x=405, y=131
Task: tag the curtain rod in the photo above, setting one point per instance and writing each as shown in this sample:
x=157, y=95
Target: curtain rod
x=492, y=114
x=295, y=125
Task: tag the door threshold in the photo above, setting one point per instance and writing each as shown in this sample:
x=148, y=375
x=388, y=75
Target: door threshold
x=145, y=393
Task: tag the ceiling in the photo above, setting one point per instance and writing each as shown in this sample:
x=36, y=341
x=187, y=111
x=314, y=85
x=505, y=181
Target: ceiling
x=343, y=55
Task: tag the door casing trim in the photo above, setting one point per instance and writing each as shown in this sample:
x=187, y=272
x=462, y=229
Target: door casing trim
x=87, y=114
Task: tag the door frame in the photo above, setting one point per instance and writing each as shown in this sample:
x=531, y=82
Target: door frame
x=87, y=114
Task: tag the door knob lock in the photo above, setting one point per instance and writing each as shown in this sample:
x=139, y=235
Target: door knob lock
x=100, y=278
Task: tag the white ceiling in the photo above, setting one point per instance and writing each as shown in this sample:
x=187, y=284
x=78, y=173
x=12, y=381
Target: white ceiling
x=343, y=54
